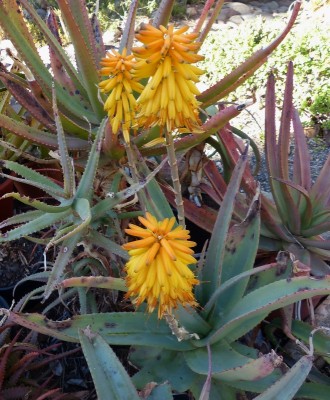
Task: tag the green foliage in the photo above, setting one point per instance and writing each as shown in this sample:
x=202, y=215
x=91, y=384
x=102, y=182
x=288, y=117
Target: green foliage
x=193, y=349
x=306, y=45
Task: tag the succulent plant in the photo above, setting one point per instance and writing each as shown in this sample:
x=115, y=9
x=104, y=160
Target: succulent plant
x=21, y=370
x=200, y=349
x=198, y=339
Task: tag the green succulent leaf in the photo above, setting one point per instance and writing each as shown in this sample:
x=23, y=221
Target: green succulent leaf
x=119, y=328
x=313, y=391
x=35, y=225
x=110, y=377
x=39, y=205
x=239, y=256
x=211, y=273
x=62, y=260
x=85, y=187
x=228, y=365
x=255, y=306
x=164, y=366
x=156, y=204
x=21, y=218
x=163, y=391
x=287, y=386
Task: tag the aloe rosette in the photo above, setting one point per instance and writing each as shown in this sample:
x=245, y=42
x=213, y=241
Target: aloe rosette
x=193, y=341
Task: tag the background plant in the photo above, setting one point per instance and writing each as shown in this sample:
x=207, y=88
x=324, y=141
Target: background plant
x=187, y=348
x=306, y=45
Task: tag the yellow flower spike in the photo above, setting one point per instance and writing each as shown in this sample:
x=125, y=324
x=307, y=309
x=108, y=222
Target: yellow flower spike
x=157, y=271
x=168, y=99
x=121, y=104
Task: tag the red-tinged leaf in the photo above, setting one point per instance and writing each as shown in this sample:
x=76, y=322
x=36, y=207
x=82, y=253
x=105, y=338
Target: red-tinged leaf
x=128, y=33
x=215, y=93
x=210, y=22
x=277, y=162
x=320, y=192
x=78, y=12
x=306, y=209
x=41, y=137
x=60, y=74
x=14, y=25
x=209, y=190
x=28, y=101
x=284, y=134
x=218, y=190
x=271, y=220
x=98, y=43
x=75, y=16
x=301, y=168
x=207, y=6
x=4, y=359
x=204, y=216
x=50, y=31
x=320, y=243
x=218, y=183
x=233, y=152
x=318, y=228
x=210, y=127
x=270, y=128
x=163, y=13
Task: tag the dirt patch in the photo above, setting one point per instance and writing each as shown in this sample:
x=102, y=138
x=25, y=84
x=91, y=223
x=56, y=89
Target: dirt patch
x=18, y=259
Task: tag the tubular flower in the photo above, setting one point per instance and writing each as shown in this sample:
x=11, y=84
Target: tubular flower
x=121, y=104
x=169, y=96
x=158, y=267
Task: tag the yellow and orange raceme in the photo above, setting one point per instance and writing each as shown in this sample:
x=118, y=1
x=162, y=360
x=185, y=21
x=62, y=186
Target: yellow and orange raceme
x=121, y=103
x=157, y=270
x=169, y=98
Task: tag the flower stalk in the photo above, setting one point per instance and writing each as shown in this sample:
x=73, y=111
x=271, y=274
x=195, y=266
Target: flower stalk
x=175, y=177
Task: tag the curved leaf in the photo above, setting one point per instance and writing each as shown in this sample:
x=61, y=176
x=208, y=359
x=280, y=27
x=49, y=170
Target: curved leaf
x=110, y=377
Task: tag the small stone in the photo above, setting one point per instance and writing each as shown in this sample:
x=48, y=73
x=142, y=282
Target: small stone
x=226, y=13
x=241, y=8
x=283, y=9
x=191, y=12
x=255, y=3
x=273, y=5
x=236, y=19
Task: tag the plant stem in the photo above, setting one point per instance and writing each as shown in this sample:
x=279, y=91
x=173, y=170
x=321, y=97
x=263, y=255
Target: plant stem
x=175, y=177
x=132, y=166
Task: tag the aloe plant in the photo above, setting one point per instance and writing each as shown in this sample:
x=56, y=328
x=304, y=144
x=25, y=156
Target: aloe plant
x=234, y=298
x=197, y=348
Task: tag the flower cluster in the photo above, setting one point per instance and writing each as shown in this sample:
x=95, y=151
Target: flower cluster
x=169, y=97
x=158, y=267
x=121, y=104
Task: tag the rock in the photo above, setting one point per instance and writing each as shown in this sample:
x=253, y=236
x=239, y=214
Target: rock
x=236, y=19
x=273, y=5
x=283, y=9
x=241, y=8
x=256, y=3
x=191, y=12
x=227, y=13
